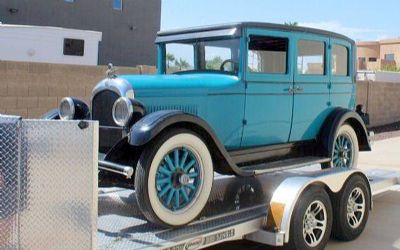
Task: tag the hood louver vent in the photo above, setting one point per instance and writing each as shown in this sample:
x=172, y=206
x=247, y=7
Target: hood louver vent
x=191, y=109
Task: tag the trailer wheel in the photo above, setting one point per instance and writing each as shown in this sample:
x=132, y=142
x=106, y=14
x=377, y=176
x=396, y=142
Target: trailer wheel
x=311, y=222
x=351, y=206
x=345, y=149
x=174, y=177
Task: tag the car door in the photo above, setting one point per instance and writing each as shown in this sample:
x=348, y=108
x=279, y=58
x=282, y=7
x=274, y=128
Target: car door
x=343, y=87
x=311, y=86
x=269, y=82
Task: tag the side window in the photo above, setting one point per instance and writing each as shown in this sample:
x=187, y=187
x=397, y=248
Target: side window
x=74, y=47
x=268, y=55
x=311, y=57
x=340, y=60
x=179, y=57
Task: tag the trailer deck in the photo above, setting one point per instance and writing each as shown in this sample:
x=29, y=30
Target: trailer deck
x=237, y=209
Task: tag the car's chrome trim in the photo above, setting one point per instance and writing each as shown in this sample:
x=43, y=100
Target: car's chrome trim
x=232, y=32
x=118, y=85
x=126, y=171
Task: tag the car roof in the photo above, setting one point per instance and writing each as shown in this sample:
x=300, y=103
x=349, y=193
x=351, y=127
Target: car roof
x=242, y=25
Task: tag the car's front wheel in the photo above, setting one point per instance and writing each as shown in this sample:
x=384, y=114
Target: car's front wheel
x=345, y=149
x=174, y=177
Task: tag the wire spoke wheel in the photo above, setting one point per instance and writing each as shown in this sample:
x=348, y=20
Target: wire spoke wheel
x=178, y=178
x=343, y=152
x=315, y=223
x=356, y=206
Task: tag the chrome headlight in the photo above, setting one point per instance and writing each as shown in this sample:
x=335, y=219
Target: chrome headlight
x=72, y=108
x=67, y=109
x=122, y=111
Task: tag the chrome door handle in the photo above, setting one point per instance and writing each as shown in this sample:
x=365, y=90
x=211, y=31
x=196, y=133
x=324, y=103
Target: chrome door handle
x=290, y=90
x=298, y=89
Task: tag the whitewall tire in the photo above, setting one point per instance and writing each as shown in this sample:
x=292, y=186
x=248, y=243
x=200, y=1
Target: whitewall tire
x=174, y=177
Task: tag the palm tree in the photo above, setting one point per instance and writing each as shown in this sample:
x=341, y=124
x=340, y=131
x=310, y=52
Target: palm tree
x=182, y=64
x=170, y=58
x=291, y=23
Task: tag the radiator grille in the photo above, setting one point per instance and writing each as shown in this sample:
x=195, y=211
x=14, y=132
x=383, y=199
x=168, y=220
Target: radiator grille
x=102, y=104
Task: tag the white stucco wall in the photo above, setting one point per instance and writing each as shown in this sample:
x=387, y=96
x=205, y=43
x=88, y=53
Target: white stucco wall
x=45, y=44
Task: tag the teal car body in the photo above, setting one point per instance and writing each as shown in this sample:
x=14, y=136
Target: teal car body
x=255, y=91
x=254, y=109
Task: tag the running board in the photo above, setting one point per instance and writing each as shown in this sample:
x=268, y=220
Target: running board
x=284, y=164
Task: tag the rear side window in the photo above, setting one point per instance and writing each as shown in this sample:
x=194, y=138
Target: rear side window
x=340, y=60
x=311, y=57
x=74, y=47
x=268, y=55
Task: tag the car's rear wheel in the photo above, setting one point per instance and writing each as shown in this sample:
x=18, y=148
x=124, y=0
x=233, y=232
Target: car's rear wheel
x=345, y=149
x=174, y=178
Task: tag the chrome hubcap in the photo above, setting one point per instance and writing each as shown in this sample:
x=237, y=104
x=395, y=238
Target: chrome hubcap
x=178, y=179
x=314, y=223
x=343, y=152
x=355, y=207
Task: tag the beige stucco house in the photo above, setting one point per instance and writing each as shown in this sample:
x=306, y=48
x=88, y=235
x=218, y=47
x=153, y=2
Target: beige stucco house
x=377, y=55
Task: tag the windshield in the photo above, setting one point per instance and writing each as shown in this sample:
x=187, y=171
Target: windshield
x=221, y=56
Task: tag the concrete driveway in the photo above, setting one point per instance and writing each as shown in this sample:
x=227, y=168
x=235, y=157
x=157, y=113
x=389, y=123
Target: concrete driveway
x=383, y=228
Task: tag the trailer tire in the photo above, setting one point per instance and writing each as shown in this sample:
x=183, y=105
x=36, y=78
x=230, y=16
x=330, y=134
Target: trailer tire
x=306, y=232
x=351, y=206
x=173, y=178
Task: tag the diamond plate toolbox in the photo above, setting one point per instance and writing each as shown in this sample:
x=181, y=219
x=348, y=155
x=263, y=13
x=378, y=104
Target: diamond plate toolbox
x=48, y=184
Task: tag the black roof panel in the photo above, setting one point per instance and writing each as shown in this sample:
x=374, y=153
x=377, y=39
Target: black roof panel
x=242, y=25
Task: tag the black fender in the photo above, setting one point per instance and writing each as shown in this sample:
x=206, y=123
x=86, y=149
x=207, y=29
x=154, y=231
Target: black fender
x=332, y=124
x=153, y=124
x=51, y=115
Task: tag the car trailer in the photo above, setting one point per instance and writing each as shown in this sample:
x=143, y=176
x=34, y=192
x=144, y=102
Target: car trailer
x=259, y=209
x=51, y=199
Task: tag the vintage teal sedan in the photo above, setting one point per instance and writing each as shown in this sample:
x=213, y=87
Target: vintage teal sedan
x=239, y=99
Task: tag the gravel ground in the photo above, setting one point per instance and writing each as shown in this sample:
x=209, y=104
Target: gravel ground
x=386, y=131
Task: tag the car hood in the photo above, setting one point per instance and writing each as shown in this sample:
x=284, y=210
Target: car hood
x=152, y=84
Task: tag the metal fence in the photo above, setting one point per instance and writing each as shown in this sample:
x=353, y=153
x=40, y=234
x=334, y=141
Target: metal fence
x=48, y=184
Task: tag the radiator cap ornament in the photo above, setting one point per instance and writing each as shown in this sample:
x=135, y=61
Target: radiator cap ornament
x=111, y=70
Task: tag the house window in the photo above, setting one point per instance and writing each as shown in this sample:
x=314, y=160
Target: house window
x=389, y=57
x=311, y=57
x=74, y=47
x=268, y=55
x=340, y=60
x=69, y=1
x=372, y=59
x=117, y=5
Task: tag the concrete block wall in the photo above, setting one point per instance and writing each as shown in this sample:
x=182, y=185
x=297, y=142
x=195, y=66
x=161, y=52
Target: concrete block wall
x=32, y=89
x=382, y=101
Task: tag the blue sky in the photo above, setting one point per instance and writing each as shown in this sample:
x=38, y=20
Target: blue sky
x=360, y=20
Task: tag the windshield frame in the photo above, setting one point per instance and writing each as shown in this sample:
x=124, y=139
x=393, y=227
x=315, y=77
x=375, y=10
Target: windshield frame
x=162, y=64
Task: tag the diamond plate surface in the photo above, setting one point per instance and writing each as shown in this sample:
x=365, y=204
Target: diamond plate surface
x=54, y=184
x=9, y=172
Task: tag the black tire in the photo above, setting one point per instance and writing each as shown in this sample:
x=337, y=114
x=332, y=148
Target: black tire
x=342, y=229
x=307, y=199
x=149, y=202
x=348, y=131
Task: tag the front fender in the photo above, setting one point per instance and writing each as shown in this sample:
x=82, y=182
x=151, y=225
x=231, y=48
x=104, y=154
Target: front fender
x=51, y=115
x=332, y=124
x=153, y=124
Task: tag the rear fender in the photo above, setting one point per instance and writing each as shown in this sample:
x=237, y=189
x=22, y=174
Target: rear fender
x=332, y=124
